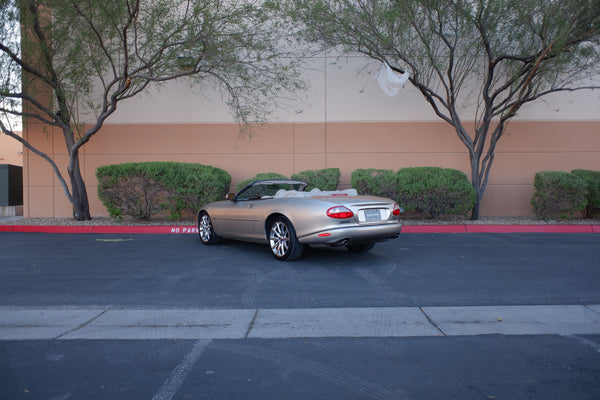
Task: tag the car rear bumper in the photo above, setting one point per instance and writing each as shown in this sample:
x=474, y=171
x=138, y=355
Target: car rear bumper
x=353, y=234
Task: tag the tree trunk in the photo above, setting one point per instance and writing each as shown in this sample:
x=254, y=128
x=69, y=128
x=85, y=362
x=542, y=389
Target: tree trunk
x=476, y=182
x=475, y=211
x=81, y=206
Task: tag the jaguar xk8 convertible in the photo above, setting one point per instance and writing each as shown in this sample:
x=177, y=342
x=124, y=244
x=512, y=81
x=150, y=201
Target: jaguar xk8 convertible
x=281, y=214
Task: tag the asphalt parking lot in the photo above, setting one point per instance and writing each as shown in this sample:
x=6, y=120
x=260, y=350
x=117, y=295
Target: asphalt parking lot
x=414, y=270
x=466, y=316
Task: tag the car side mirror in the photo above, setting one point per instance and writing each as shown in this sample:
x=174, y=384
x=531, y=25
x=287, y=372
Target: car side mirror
x=229, y=196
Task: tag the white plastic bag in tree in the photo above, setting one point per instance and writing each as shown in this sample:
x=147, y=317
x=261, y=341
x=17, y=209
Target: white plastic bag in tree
x=389, y=80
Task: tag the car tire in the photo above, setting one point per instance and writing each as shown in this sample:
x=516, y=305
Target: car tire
x=206, y=232
x=283, y=241
x=360, y=248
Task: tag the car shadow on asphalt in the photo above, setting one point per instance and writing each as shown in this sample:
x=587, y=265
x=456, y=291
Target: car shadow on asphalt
x=321, y=255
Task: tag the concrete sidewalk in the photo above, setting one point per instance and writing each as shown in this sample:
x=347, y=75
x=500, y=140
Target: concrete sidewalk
x=18, y=323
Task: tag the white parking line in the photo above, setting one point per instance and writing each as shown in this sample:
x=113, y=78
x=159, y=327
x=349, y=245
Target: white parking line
x=584, y=341
x=146, y=324
x=177, y=377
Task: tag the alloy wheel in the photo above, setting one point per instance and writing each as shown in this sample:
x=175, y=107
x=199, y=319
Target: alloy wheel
x=279, y=239
x=205, y=228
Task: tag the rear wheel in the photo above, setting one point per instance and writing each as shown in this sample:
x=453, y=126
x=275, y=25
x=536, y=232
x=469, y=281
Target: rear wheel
x=360, y=248
x=283, y=241
x=205, y=229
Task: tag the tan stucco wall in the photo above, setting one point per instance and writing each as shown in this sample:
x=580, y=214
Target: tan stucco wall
x=341, y=90
x=530, y=146
x=11, y=151
x=344, y=120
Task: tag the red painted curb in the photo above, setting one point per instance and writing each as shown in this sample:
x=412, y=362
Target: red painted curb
x=529, y=228
x=179, y=229
x=145, y=229
x=51, y=229
x=433, y=229
x=501, y=229
x=162, y=229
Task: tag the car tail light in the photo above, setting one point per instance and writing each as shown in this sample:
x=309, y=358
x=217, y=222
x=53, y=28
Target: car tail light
x=397, y=209
x=339, y=212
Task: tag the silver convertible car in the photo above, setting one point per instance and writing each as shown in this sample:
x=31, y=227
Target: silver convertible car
x=282, y=214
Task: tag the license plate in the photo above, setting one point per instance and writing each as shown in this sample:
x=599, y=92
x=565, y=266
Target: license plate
x=372, y=215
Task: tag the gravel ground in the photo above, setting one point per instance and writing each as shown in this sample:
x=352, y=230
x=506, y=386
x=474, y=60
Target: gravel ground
x=107, y=221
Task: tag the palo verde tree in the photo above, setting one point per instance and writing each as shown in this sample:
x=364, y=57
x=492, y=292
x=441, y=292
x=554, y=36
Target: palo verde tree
x=81, y=58
x=492, y=56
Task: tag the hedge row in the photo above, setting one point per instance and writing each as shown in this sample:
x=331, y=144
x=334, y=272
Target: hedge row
x=141, y=190
x=146, y=189
x=566, y=195
x=324, y=179
x=430, y=191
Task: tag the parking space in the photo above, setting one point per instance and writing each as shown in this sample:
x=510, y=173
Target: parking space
x=413, y=270
x=465, y=367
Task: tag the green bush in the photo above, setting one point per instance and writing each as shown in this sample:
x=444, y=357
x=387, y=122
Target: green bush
x=141, y=190
x=558, y=195
x=435, y=191
x=258, y=177
x=375, y=182
x=428, y=190
x=324, y=179
x=592, y=181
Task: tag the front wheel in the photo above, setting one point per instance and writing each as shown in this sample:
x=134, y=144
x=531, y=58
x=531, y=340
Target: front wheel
x=205, y=229
x=283, y=241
